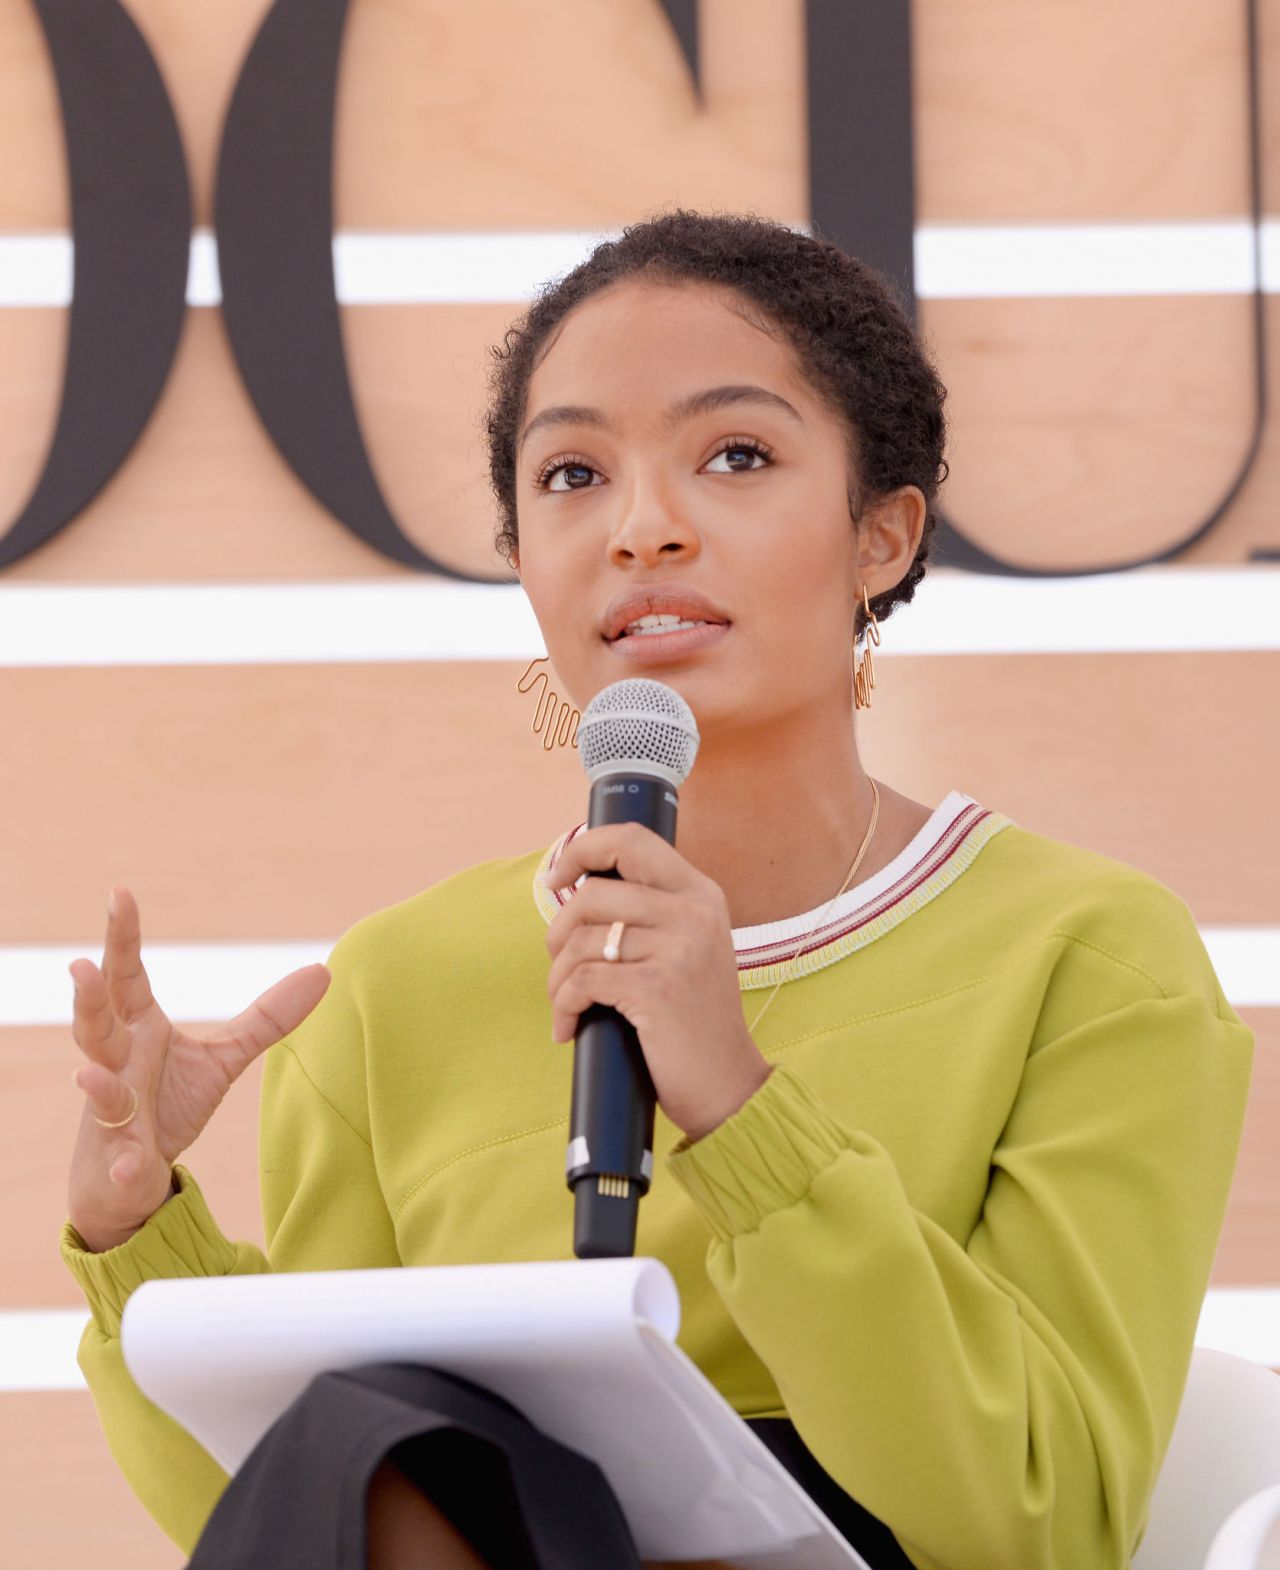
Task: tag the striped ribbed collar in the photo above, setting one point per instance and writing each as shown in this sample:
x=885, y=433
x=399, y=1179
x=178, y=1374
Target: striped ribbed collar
x=942, y=849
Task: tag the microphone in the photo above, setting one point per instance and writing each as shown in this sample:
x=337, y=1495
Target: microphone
x=638, y=740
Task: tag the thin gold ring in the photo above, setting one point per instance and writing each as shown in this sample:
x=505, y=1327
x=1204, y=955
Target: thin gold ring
x=613, y=943
x=122, y=1121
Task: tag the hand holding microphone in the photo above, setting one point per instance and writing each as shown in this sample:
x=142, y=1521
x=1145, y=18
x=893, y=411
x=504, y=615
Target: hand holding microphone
x=665, y=1017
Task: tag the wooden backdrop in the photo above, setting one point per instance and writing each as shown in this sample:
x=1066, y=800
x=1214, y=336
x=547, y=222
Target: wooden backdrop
x=281, y=801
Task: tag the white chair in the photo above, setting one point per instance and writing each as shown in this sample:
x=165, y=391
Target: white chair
x=1222, y=1468
x=1250, y=1536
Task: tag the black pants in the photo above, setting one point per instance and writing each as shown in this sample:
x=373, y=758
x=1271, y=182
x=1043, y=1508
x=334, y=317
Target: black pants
x=525, y=1501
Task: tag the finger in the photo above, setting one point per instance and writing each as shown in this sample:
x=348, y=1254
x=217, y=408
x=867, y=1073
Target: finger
x=633, y=851
x=128, y=1165
x=602, y=901
x=98, y=1033
x=127, y=982
x=109, y=1097
x=594, y=981
x=271, y=1016
x=586, y=945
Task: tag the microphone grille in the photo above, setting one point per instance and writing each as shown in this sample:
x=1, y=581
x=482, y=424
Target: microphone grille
x=641, y=724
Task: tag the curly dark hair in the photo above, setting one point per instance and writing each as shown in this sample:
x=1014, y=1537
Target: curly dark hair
x=849, y=324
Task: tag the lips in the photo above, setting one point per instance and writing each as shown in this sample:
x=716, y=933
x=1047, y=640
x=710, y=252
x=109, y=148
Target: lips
x=687, y=604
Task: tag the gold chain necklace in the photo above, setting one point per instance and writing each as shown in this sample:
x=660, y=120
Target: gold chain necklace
x=857, y=862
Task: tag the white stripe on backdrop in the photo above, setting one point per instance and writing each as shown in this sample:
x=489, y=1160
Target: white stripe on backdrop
x=38, y=1346
x=952, y=261
x=1145, y=610
x=213, y=981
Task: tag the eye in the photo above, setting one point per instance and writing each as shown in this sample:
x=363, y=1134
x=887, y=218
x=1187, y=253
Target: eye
x=756, y=454
x=573, y=472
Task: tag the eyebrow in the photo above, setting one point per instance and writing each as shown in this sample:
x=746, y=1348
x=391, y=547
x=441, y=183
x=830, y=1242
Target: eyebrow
x=704, y=402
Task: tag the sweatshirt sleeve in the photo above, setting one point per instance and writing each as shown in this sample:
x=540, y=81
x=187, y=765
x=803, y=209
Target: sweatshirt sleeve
x=1002, y=1402
x=322, y=1210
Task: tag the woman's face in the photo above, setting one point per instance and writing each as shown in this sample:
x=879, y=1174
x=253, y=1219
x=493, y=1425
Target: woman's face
x=675, y=462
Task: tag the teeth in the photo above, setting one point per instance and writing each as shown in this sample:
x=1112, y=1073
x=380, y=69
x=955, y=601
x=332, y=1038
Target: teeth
x=666, y=622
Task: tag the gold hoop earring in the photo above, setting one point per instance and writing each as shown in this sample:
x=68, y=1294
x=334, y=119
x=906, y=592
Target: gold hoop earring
x=864, y=675
x=554, y=717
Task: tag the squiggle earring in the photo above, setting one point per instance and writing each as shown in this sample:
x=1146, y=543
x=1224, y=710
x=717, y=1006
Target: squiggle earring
x=554, y=718
x=864, y=675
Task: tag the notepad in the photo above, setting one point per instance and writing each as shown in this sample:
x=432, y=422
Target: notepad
x=585, y=1349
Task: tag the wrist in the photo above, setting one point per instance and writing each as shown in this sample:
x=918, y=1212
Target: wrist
x=732, y=1102
x=101, y=1240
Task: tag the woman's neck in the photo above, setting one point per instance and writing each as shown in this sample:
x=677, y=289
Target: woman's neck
x=776, y=820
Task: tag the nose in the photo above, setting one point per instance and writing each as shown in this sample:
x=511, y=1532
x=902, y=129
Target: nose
x=652, y=530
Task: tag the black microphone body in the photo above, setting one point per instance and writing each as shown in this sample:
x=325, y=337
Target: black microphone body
x=610, y=1157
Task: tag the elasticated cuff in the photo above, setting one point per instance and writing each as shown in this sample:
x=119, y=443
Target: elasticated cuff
x=763, y=1158
x=179, y=1239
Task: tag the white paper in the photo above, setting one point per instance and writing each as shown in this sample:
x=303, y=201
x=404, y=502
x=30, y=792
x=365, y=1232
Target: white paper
x=584, y=1348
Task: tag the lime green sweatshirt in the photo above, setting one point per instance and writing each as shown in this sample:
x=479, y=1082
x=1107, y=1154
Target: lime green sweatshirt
x=960, y=1235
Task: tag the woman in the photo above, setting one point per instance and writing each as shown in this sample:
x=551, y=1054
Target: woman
x=949, y=1108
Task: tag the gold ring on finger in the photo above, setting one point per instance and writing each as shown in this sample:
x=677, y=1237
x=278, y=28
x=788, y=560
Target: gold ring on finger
x=122, y=1121
x=613, y=943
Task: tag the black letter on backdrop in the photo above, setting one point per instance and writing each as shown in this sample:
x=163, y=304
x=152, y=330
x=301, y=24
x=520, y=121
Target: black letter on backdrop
x=683, y=16
x=131, y=223
x=862, y=196
x=274, y=215
x=131, y=220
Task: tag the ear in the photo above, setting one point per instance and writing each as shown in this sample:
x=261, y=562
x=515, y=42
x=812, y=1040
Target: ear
x=890, y=535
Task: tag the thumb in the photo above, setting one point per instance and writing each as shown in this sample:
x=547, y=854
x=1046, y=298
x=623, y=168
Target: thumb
x=277, y=1011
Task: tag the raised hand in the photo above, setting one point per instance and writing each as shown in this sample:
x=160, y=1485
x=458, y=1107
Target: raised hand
x=120, y=1176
